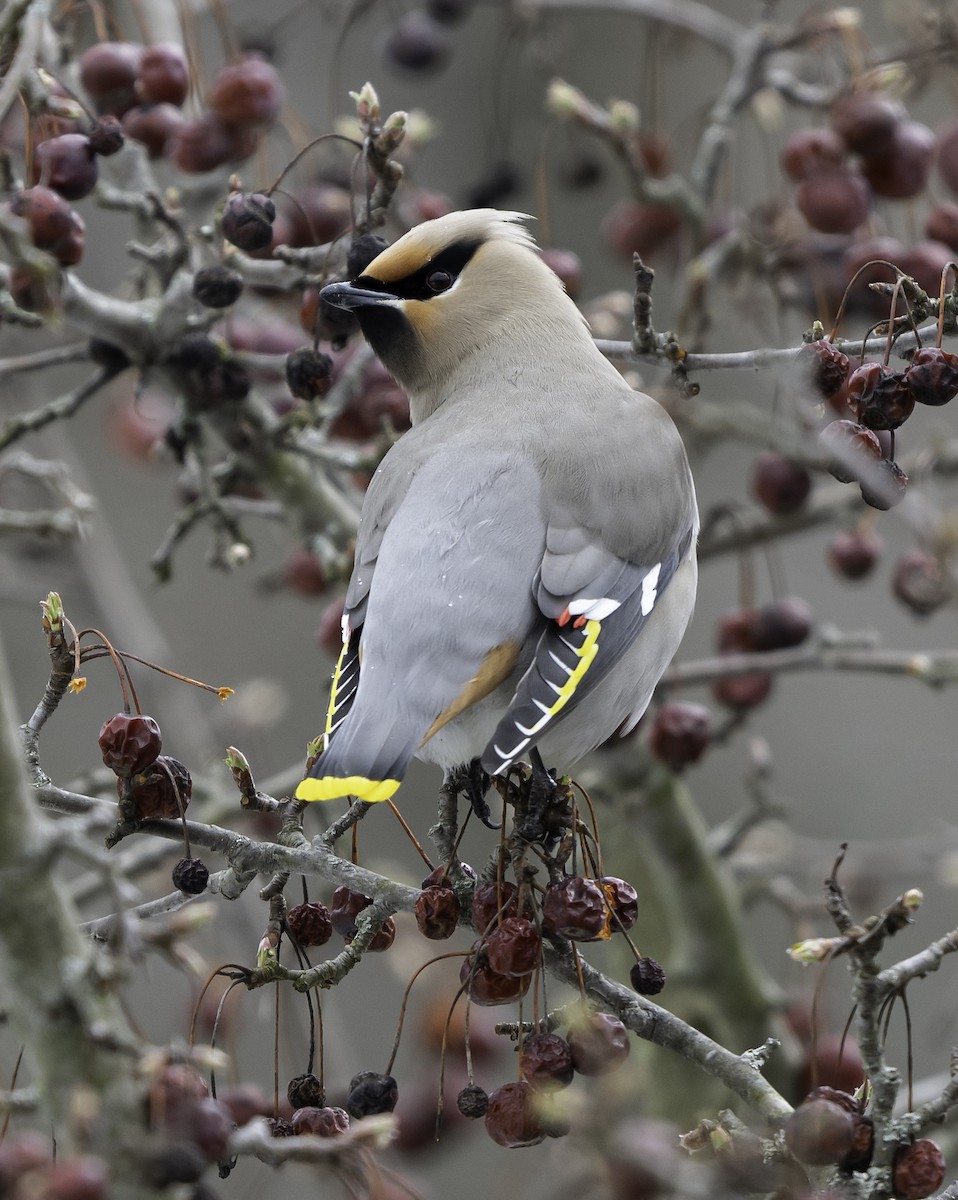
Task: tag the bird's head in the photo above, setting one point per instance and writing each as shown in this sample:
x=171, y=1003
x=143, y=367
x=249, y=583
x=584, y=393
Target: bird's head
x=452, y=288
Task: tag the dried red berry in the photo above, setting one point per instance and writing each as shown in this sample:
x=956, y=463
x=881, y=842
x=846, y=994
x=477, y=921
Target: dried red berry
x=599, y=1043
x=866, y=121
x=206, y=143
x=163, y=789
x=492, y=902
x=247, y=93
x=819, y=1132
x=575, y=908
x=473, y=1101
x=623, y=899
x=163, y=76
x=191, y=875
x=309, y=373
x=512, y=1118
x=304, y=1091
x=827, y=364
x=808, y=152
x=108, y=74
x=345, y=908
x=781, y=624
x=834, y=201
x=247, y=220
x=859, y=1155
x=545, y=1060
x=513, y=947
x=487, y=988
x=67, y=164
x=53, y=224
x=920, y=583
x=647, y=977
x=418, y=43
x=681, y=732
x=741, y=692
x=853, y=553
x=153, y=126
x=361, y=252
x=244, y=1101
x=437, y=912
x=850, y=449
x=932, y=376
x=370, y=1092
x=129, y=743
x=917, y=1170
x=902, y=169
x=217, y=286
x=310, y=925
x=279, y=1127
x=878, y=396
x=82, y=1177
x=779, y=483
x=319, y=1121
x=885, y=485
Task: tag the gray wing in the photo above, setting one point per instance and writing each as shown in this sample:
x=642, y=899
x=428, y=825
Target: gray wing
x=595, y=606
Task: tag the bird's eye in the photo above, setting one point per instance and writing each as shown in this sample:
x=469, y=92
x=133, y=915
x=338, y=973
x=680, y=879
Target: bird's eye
x=439, y=281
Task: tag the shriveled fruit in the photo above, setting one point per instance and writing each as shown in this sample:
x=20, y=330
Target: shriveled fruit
x=163, y=76
x=491, y=902
x=623, y=899
x=575, y=908
x=306, y=1090
x=545, y=1060
x=371, y=1092
x=512, y=1119
x=884, y=486
x=878, y=396
x=920, y=583
x=473, y=1101
x=513, y=947
x=309, y=373
x=918, y=1170
x=599, y=1043
x=191, y=875
x=819, y=1132
x=781, y=624
x=217, y=286
x=850, y=449
x=310, y=924
x=835, y=201
x=681, y=733
x=129, y=742
x=162, y=789
x=808, y=152
x=319, y=1121
x=247, y=220
x=780, y=483
x=828, y=366
x=247, y=93
x=866, y=121
x=67, y=164
x=437, y=912
x=903, y=168
x=853, y=553
x=647, y=977
x=488, y=988
x=932, y=376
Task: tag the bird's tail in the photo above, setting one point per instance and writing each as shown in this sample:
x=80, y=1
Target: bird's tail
x=363, y=760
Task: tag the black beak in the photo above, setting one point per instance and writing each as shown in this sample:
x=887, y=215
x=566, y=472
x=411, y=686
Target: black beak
x=349, y=297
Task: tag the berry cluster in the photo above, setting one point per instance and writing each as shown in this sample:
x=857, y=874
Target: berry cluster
x=150, y=784
x=146, y=87
x=829, y=1129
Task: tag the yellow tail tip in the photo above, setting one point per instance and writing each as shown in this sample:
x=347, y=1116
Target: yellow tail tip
x=332, y=787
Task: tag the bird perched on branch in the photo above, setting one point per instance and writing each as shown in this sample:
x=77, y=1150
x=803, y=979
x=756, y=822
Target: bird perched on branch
x=525, y=562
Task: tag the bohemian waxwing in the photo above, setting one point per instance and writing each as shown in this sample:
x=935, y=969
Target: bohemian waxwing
x=525, y=562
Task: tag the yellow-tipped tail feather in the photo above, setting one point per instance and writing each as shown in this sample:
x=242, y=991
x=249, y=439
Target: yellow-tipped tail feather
x=332, y=787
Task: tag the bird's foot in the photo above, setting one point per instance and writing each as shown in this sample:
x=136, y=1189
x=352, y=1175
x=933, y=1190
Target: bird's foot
x=539, y=792
x=471, y=781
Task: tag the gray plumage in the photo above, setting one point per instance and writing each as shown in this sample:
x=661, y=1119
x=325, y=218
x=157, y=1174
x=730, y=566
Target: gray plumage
x=534, y=481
